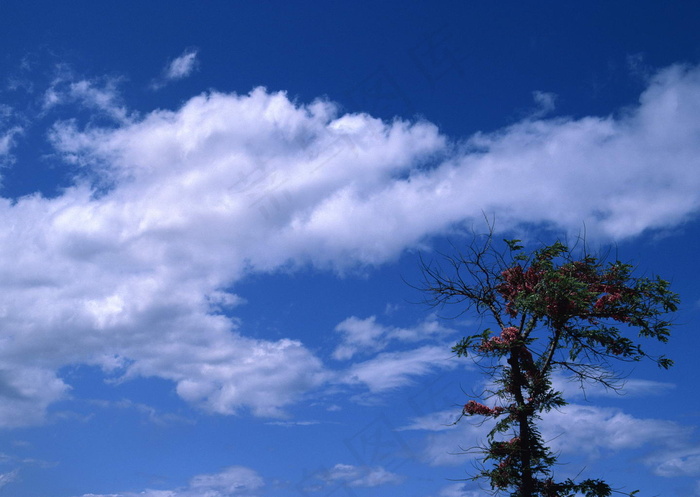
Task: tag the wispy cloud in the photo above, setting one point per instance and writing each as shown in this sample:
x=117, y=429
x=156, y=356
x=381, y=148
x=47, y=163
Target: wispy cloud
x=390, y=370
x=148, y=412
x=234, y=481
x=666, y=447
x=348, y=475
x=182, y=66
x=367, y=336
x=7, y=141
x=9, y=131
x=99, y=95
x=179, y=68
x=459, y=490
x=623, y=387
x=684, y=461
x=8, y=477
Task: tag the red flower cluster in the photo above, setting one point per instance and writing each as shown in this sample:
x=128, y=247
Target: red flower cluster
x=503, y=341
x=598, y=297
x=613, y=290
x=517, y=281
x=473, y=407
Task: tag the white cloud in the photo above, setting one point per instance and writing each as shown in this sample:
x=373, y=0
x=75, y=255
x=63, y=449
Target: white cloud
x=545, y=103
x=572, y=388
x=590, y=430
x=8, y=477
x=619, y=175
x=293, y=423
x=452, y=445
x=243, y=372
x=131, y=276
x=103, y=98
x=459, y=490
x=234, y=481
x=678, y=462
x=391, y=370
x=26, y=392
x=182, y=66
x=178, y=68
x=148, y=412
x=100, y=95
x=9, y=130
x=133, y=280
x=359, y=334
x=435, y=421
x=359, y=476
x=670, y=448
x=366, y=335
x=7, y=140
x=666, y=447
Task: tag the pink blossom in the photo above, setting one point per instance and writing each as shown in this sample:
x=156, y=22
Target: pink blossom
x=473, y=407
x=503, y=341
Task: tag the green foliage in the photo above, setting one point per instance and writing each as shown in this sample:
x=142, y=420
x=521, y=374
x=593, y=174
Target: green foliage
x=554, y=311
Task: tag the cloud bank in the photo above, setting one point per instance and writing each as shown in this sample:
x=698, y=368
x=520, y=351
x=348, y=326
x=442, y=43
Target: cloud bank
x=133, y=268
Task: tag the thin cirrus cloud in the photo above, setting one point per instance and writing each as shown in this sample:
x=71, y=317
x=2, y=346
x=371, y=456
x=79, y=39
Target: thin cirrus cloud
x=10, y=131
x=7, y=140
x=8, y=477
x=234, y=481
x=390, y=370
x=178, y=68
x=667, y=448
x=100, y=96
x=131, y=267
x=368, y=336
x=239, y=481
x=359, y=476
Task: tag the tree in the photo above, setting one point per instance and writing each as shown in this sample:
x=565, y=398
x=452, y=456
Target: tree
x=554, y=312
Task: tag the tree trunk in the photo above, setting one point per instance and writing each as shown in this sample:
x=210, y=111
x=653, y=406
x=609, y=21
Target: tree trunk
x=526, y=486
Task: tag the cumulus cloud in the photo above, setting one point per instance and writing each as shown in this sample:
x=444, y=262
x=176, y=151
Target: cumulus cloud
x=134, y=279
x=620, y=174
x=234, y=481
x=133, y=268
x=26, y=393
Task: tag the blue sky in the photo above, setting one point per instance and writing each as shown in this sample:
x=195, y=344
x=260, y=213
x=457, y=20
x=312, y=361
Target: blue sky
x=212, y=213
